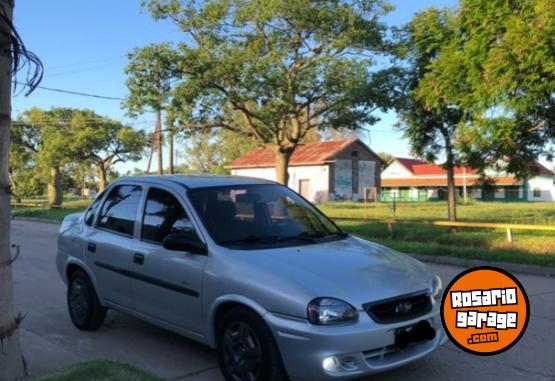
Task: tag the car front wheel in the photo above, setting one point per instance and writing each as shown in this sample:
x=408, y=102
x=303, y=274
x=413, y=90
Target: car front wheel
x=84, y=308
x=246, y=348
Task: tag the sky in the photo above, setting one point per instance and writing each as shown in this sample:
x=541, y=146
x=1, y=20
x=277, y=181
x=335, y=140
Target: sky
x=83, y=44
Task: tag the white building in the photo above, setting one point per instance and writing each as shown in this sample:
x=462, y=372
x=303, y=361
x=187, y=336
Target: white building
x=408, y=179
x=320, y=171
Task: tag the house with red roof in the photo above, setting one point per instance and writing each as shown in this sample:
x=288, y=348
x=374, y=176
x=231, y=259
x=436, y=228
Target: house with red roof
x=320, y=171
x=407, y=179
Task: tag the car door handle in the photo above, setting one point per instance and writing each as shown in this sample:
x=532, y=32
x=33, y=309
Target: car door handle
x=138, y=258
x=91, y=246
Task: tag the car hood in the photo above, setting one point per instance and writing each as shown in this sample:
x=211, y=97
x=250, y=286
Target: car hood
x=351, y=269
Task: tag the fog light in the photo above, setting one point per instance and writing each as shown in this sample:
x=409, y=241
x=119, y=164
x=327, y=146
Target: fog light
x=331, y=364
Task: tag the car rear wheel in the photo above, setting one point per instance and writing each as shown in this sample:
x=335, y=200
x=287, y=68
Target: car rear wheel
x=84, y=308
x=246, y=348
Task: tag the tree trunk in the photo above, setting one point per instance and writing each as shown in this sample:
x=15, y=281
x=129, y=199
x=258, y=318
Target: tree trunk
x=55, y=189
x=171, y=152
x=451, y=189
x=159, y=142
x=102, y=177
x=11, y=361
x=283, y=154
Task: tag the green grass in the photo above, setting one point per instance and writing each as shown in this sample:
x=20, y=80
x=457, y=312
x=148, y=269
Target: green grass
x=55, y=214
x=99, y=371
x=540, y=213
x=529, y=247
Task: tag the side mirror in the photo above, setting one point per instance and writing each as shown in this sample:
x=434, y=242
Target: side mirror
x=186, y=241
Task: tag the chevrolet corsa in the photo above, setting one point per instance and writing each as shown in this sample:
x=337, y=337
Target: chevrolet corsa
x=252, y=269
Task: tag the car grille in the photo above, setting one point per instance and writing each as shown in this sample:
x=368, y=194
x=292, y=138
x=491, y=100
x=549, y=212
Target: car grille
x=399, y=308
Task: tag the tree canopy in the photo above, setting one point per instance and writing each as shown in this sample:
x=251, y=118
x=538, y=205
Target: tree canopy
x=150, y=72
x=284, y=67
x=432, y=130
x=500, y=68
x=49, y=141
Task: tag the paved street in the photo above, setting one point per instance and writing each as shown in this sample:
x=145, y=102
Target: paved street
x=50, y=341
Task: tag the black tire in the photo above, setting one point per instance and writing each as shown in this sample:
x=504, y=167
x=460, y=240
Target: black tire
x=82, y=302
x=242, y=336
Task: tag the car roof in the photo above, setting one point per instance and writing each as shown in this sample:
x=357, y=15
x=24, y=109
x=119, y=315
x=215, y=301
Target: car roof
x=197, y=181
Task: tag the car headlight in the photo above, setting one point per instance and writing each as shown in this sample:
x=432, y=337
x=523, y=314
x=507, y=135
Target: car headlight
x=437, y=288
x=329, y=311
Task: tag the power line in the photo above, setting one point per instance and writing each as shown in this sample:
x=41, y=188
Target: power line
x=75, y=92
x=37, y=122
x=87, y=63
x=99, y=66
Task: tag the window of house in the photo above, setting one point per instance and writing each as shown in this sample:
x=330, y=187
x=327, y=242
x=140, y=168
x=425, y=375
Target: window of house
x=512, y=192
x=354, y=153
x=537, y=192
x=120, y=209
x=163, y=215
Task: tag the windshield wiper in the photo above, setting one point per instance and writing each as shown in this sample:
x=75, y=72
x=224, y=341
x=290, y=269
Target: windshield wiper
x=312, y=237
x=307, y=237
x=300, y=237
x=250, y=239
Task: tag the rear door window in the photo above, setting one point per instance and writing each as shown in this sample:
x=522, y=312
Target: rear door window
x=120, y=209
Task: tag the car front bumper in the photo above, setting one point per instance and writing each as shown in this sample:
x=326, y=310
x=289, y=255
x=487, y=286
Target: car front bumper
x=362, y=348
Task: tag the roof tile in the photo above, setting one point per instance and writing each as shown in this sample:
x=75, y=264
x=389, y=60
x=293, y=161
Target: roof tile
x=420, y=168
x=304, y=154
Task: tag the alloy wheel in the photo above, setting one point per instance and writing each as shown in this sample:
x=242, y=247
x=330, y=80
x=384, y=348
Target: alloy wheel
x=242, y=352
x=78, y=301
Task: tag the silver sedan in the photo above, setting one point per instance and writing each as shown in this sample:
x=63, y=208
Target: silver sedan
x=253, y=270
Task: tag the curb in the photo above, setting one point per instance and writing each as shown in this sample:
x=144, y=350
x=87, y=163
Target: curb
x=32, y=219
x=467, y=263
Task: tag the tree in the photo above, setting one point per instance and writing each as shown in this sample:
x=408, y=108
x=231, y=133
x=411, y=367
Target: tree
x=231, y=145
x=211, y=151
x=150, y=71
x=285, y=67
x=46, y=135
x=13, y=57
x=431, y=127
x=26, y=177
x=507, y=59
x=386, y=157
x=63, y=136
x=104, y=143
x=201, y=154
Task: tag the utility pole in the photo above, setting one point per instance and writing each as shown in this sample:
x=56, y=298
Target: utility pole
x=11, y=361
x=158, y=129
x=171, y=160
x=158, y=141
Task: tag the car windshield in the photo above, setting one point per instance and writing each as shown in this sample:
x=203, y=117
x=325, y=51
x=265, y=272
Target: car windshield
x=255, y=215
